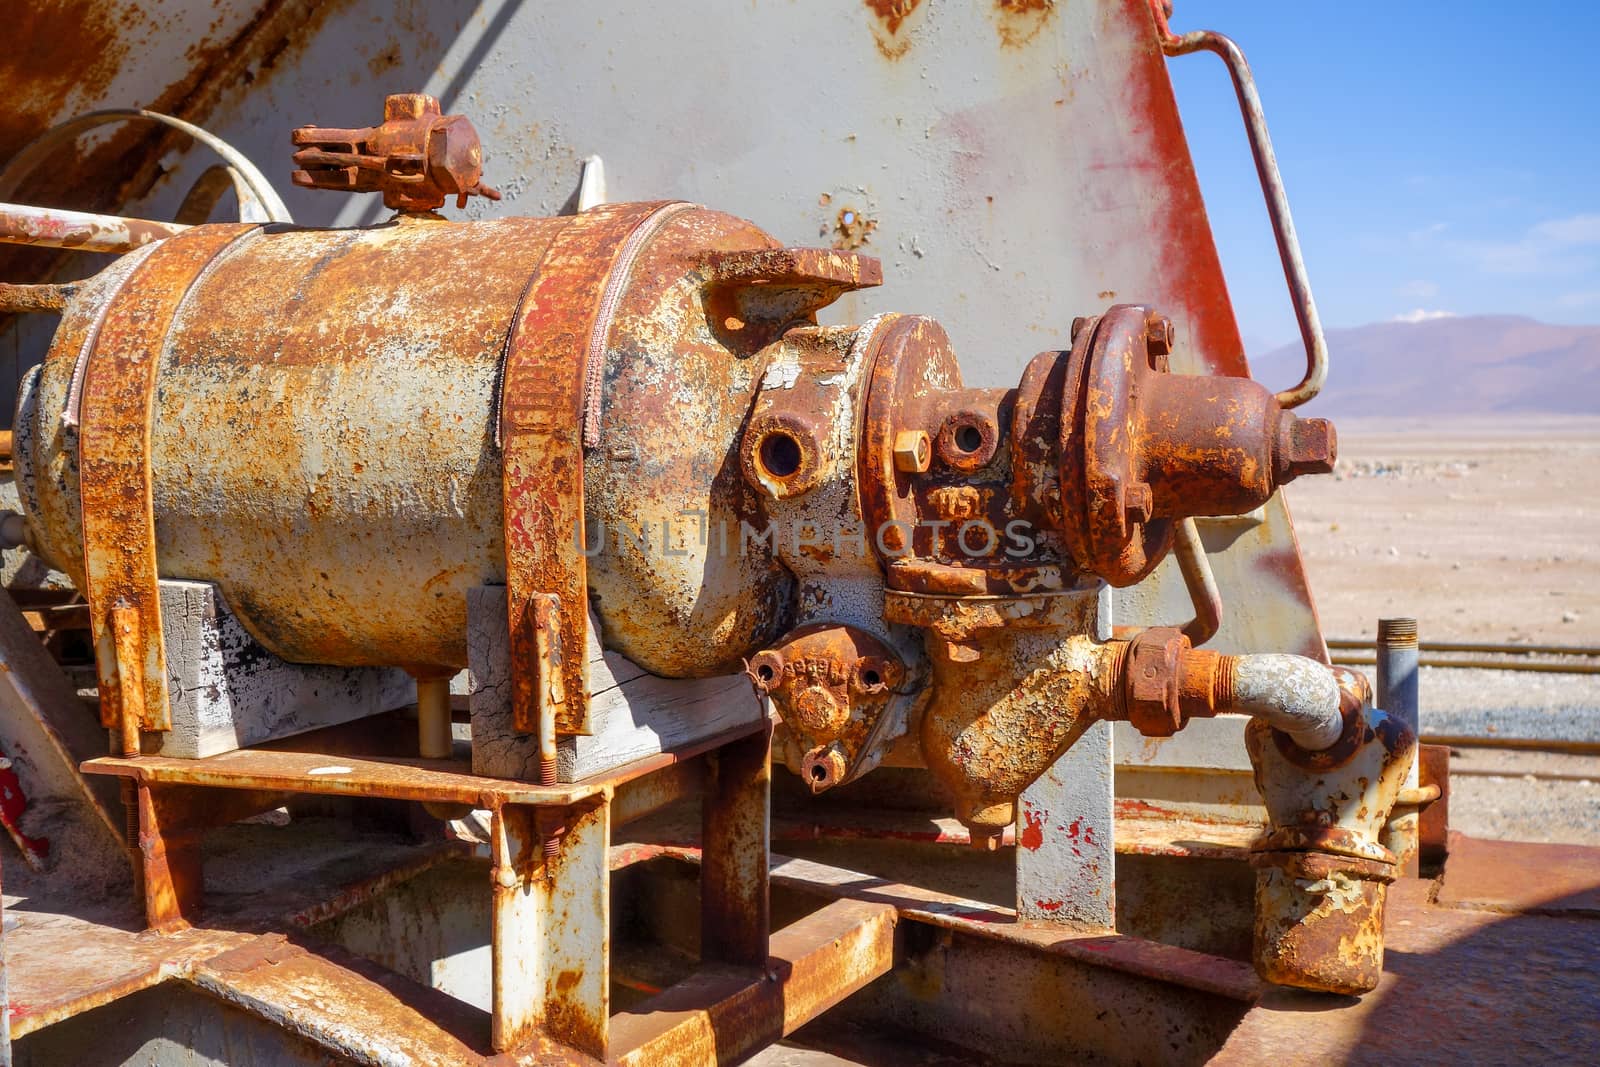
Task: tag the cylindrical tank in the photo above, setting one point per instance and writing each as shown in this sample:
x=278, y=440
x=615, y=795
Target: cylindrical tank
x=324, y=435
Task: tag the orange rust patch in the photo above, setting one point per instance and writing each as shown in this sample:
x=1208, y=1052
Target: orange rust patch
x=852, y=228
x=891, y=15
x=1018, y=22
x=893, y=12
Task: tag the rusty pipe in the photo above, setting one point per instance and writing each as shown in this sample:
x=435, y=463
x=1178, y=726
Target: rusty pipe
x=80, y=231
x=29, y=298
x=1195, y=566
x=1294, y=265
x=1293, y=694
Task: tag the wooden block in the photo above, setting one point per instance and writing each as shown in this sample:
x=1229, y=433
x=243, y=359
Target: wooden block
x=229, y=692
x=634, y=714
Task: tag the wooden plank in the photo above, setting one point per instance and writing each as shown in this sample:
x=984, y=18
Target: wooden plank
x=228, y=691
x=634, y=715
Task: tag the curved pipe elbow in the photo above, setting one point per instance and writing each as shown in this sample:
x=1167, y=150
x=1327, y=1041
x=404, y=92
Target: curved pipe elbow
x=1296, y=695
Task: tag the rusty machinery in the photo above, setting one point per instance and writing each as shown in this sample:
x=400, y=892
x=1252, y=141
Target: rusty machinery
x=633, y=411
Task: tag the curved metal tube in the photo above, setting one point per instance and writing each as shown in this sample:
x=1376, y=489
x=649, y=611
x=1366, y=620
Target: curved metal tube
x=1296, y=695
x=1294, y=267
x=258, y=202
x=1195, y=566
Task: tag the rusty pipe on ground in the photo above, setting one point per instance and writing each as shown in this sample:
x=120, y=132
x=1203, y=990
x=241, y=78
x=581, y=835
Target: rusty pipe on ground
x=81, y=231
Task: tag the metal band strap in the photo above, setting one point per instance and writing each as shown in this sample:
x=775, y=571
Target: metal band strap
x=542, y=413
x=115, y=485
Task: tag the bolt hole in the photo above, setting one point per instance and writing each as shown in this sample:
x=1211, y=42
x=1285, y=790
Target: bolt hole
x=780, y=454
x=968, y=438
x=819, y=773
x=765, y=672
x=871, y=678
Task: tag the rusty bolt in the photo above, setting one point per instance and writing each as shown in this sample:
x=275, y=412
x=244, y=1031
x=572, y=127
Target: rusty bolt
x=1137, y=503
x=913, y=451
x=1305, y=446
x=1150, y=681
x=818, y=712
x=1158, y=334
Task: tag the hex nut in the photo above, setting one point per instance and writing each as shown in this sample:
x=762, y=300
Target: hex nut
x=913, y=451
x=1150, y=680
x=1305, y=446
x=1137, y=503
x=1159, y=334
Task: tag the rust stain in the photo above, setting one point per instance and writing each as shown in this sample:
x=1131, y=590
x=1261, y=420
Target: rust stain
x=852, y=228
x=1019, y=22
x=891, y=15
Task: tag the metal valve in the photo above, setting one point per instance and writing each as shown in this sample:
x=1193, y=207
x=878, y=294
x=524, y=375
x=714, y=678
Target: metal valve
x=416, y=159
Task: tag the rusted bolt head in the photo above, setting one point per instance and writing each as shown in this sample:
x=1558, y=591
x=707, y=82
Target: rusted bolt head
x=1150, y=681
x=1158, y=334
x=913, y=451
x=823, y=768
x=1305, y=446
x=1137, y=503
x=455, y=155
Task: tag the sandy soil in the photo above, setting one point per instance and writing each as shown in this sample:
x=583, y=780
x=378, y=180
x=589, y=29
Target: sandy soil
x=1484, y=529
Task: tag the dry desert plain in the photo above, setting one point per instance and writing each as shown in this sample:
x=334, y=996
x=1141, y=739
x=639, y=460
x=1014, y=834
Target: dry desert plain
x=1484, y=528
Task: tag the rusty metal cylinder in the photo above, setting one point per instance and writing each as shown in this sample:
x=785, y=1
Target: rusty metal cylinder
x=324, y=442
x=1319, y=921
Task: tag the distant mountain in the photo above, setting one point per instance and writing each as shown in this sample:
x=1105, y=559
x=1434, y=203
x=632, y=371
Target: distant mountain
x=1460, y=365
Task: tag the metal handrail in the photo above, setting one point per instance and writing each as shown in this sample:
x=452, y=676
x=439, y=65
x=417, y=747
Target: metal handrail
x=1255, y=125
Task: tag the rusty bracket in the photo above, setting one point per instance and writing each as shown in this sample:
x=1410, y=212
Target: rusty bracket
x=119, y=535
x=552, y=351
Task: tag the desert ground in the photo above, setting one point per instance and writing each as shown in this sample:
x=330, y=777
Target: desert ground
x=1485, y=529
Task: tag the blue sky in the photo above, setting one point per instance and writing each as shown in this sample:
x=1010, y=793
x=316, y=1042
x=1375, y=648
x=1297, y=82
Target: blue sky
x=1438, y=158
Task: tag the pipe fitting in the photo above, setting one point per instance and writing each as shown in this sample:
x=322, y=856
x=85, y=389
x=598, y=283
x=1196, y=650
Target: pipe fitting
x=1166, y=682
x=1322, y=871
x=1015, y=681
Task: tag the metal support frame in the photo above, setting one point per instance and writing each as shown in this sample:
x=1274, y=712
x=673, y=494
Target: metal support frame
x=1066, y=846
x=549, y=849
x=1066, y=855
x=551, y=927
